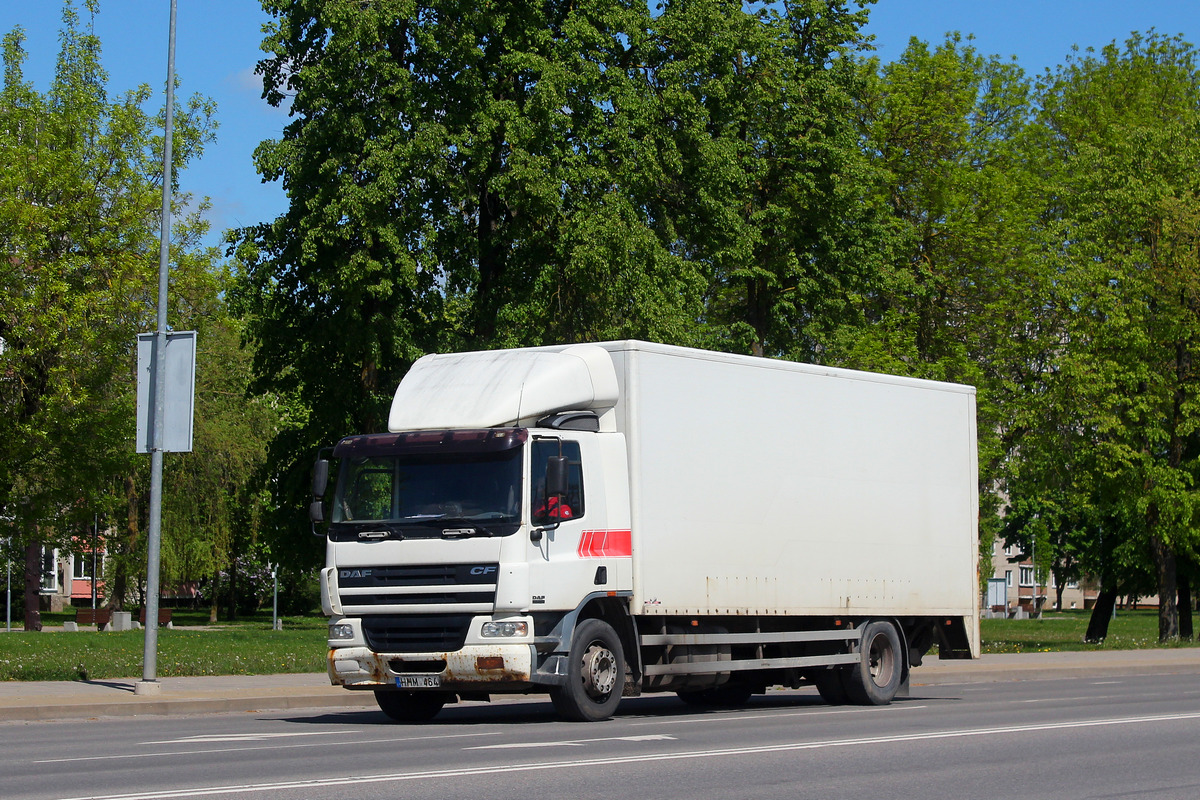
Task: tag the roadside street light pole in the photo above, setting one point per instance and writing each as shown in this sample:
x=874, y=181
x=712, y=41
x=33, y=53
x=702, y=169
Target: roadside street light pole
x=149, y=683
x=7, y=585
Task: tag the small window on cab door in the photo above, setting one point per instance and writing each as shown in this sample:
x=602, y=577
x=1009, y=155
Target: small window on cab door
x=571, y=505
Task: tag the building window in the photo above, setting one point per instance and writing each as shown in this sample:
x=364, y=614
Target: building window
x=1008, y=551
x=81, y=566
x=49, y=570
x=1027, y=576
x=1008, y=578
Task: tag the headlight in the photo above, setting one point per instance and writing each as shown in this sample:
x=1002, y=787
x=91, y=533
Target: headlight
x=341, y=630
x=496, y=629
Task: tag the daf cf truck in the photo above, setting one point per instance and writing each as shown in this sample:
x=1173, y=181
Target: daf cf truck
x=601, y=520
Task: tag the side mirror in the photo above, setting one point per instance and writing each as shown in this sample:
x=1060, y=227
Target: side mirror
x=556, y=476
x=320, y=477
x=316, y=511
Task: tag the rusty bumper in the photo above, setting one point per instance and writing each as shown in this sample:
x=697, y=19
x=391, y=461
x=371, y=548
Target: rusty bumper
x=473, y=668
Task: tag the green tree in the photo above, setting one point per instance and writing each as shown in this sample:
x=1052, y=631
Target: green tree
x=1124, y=126
x=79, y=202
x=213, y=501
x=458, y=176
x=759, y=174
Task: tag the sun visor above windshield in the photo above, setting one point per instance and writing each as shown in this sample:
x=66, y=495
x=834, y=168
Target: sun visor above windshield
x=502, y=387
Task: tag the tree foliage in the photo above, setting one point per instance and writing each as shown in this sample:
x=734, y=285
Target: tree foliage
x=762, y=176
x=503, y=173
x=79, y=216
x=1122, y=124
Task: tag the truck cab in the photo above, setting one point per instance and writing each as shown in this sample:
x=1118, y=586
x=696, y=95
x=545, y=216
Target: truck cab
x=458, y=559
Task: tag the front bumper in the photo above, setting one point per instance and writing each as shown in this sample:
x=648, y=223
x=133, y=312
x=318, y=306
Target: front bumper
x=473, y=668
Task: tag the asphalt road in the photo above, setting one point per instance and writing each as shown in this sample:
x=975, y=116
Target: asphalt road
x=1122, y=737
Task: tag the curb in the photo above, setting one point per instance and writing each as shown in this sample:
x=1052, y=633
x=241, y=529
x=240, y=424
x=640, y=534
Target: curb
x=66, y=710
x=1059, y=666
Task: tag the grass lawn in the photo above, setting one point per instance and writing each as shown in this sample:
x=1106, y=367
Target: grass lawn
x=1130, y=630
x=248, y=647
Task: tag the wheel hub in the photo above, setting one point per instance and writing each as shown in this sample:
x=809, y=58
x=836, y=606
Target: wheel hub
x=882, y=661
x=599, y=670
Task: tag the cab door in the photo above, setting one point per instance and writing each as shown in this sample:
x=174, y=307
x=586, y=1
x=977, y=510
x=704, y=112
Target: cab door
x=562, y=572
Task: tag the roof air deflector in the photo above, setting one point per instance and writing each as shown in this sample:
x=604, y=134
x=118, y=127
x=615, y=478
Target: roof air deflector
x=571, y=421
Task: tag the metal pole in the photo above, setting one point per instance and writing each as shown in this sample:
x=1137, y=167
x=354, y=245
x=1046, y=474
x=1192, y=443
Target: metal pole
x=8, y=585
x=149, y=683
x=95, y=537
x=275, y=599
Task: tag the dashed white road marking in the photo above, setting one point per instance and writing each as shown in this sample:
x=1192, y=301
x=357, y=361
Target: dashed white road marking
x=508, y=769
x=651, y=737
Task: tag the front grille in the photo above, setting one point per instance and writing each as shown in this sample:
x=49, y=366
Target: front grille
x=418, y=585
x=416, y=634
x=417, y=575
x=423, y=599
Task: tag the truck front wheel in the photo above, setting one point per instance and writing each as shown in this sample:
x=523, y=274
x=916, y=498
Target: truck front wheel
x=876, y=678
x=595, y=674
x=411, y=706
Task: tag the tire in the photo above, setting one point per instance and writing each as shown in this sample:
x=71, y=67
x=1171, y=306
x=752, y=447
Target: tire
x=595, y=674
x=411, y=706
x=831, y=686
x=727, y=696
x=876, y=678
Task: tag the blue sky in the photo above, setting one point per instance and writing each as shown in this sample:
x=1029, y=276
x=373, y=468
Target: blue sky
x=218, y=42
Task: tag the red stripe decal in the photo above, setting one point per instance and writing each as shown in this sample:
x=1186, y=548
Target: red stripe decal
x=606, y=544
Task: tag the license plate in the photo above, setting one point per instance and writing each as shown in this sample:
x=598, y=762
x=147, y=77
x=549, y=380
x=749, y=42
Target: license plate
x=418, y=681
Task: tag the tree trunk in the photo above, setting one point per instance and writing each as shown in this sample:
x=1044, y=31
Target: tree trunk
x=1185, y=607
x=214, y=605
x=1059, y=585
x=33, y=586
x=116, y=599
x=1097, y=630
x=1164, y=571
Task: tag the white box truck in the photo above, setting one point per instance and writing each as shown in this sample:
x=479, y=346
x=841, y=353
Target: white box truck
x=602, y=520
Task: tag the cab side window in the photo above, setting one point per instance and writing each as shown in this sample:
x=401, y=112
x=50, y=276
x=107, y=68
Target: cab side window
x=556, y=509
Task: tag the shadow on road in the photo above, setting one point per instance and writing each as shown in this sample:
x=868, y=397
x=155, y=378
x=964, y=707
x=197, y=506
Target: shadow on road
x=537, y=710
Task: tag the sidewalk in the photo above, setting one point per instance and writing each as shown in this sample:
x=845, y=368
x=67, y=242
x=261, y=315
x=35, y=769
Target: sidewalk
x=47, y=700
x=50, y=700
x=1050, y=666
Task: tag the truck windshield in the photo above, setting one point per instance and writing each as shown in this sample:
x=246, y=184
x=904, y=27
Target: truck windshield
x=463, y=493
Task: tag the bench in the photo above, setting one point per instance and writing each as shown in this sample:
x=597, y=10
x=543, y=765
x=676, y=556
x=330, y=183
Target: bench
x=100, y=617
x=164, y=617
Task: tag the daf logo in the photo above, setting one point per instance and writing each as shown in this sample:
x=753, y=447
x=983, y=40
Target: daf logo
x=482, y=570
x=354, y=573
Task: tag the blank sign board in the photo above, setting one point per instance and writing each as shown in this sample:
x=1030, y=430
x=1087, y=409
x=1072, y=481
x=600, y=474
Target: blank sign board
x=180, y=370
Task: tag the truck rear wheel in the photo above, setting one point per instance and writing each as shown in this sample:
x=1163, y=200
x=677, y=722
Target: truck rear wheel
x=876, y=678
x=595, y=674
x=411, y=706
x=831, y=685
